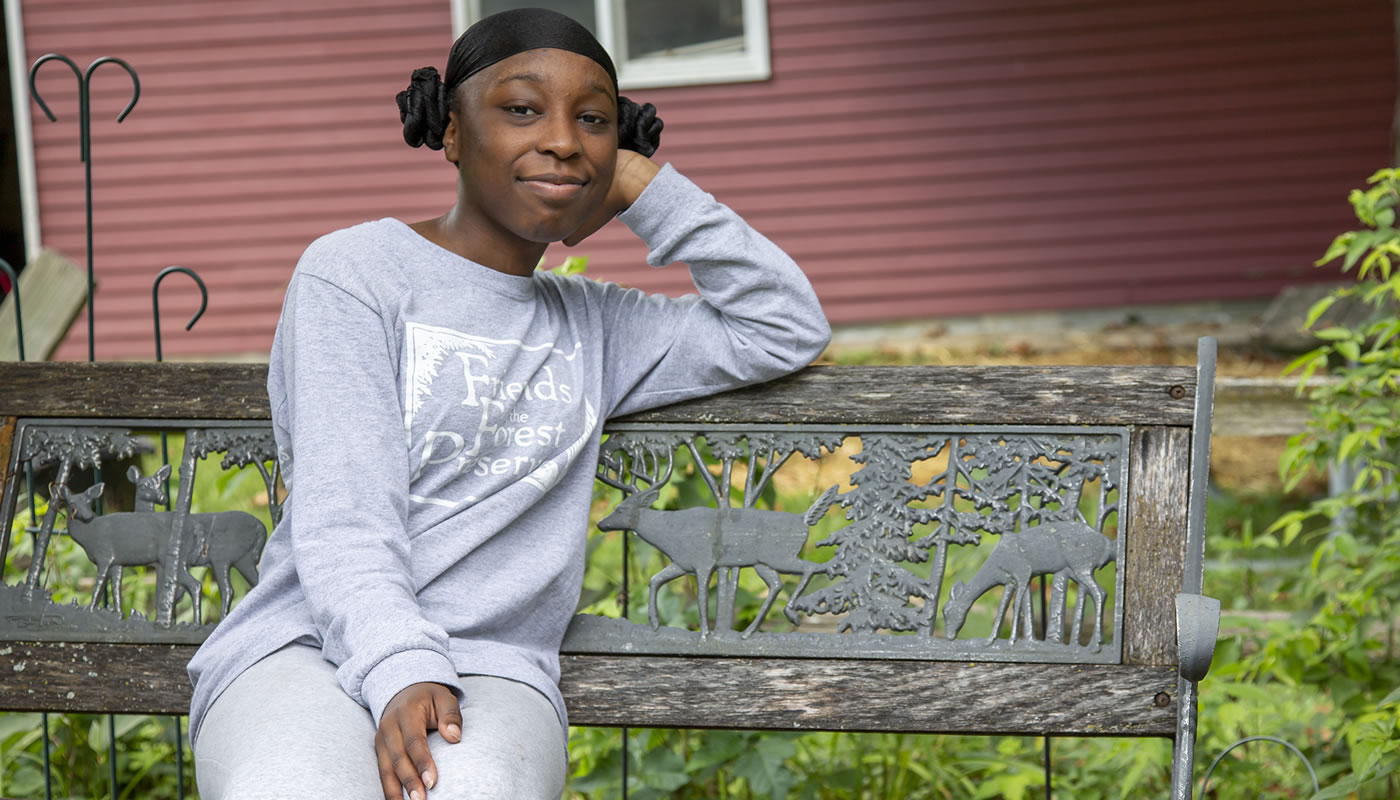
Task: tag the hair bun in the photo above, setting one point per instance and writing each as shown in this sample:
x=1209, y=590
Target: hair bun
x=423, y=109
x=638, y=127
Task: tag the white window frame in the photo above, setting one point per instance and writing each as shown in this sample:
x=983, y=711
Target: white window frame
x=644, y=73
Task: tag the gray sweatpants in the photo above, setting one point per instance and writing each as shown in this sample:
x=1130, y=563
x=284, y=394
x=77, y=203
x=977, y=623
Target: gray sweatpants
x=285, y=728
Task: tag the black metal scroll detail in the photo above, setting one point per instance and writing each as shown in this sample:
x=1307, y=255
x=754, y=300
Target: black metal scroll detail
x=913, y=498
x=1289, y=746
x=173, y=541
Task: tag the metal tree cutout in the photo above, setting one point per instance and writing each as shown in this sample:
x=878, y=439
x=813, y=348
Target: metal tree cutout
x=873, y=588
x=951, y=525
x=222, y=540
x=251, y=447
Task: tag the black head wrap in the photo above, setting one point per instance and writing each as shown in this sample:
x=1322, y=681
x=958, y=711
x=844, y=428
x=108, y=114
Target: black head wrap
x=423, y=106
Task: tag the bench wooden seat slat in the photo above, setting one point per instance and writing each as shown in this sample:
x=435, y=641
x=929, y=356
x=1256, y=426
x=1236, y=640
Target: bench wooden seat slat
x=869, y=695
x=817, y=395
x=668, y=691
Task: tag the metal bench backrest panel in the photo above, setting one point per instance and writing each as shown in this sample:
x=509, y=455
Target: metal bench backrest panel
x=1029, y=487
x=914, y=496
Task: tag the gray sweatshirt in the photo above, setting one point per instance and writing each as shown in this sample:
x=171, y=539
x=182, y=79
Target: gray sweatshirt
x=438, y=424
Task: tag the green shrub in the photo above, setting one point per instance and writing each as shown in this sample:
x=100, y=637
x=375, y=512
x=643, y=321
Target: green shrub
x=1344, y=640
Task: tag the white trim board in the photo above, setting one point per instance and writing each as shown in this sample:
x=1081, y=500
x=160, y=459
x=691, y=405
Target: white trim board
x=24, y=132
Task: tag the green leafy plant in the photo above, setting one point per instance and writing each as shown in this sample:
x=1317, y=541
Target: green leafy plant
x=1345, y=638
x=571, y=265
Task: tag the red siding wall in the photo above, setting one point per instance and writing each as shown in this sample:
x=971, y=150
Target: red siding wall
x=262, y=124
x=918, y=157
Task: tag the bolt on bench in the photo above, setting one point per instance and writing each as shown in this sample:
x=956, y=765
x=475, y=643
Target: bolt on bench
x=919, y=504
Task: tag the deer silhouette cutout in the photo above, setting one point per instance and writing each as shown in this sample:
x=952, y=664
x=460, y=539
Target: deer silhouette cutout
x=1067, y=547
x=220, y=540
x=120, y=539
x=700, y=540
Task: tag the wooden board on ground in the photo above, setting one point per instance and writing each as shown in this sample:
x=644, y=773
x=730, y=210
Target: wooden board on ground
x=1261, y=406
x=51, y=293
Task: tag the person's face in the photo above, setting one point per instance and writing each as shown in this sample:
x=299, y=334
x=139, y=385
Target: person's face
x=535, y=142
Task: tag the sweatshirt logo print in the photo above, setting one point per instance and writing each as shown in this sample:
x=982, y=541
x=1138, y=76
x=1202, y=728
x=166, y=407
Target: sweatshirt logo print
x=504, y=411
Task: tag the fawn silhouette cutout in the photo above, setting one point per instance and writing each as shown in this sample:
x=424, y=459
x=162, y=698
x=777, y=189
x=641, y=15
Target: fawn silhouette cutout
x=1066, y=548
x=240, y=545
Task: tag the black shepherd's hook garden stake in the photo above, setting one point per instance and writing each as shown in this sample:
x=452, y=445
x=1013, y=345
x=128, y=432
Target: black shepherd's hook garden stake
x=29, y=487
x=155, y=301
x=165, y=455
x=160, y=356
x=85, y=154
x=85, y=143
x=19, y=340
x=14, y=292
x=28, y=477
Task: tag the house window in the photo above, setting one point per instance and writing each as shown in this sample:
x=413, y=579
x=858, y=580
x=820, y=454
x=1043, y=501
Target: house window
x=661, y=42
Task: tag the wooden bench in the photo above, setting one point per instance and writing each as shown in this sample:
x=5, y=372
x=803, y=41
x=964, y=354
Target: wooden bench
x=964, y=479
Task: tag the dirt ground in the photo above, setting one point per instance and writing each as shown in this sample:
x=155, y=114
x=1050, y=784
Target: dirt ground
x=1238, y=463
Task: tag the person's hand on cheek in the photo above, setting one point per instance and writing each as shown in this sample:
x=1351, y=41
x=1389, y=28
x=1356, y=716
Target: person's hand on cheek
x=634, y=171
